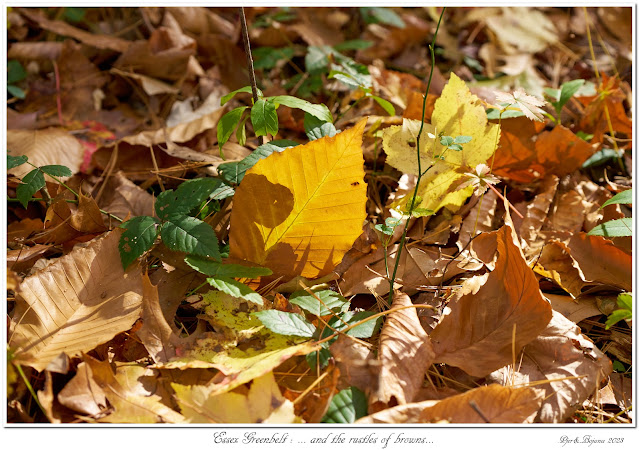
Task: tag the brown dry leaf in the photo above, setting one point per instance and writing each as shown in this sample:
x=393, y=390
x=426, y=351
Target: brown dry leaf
x=522, y=29
x=477, y=334
x=262, y=402
x=87, y=218
x=356, y=363
x=312, y=406
x=198, y=20
x=81, y=300
x=82, y=393
x=485, y=404
x=569, y=365
x=585, y=260
x=611, y=98
x=516, y=156
x=479, y=219
x=123, y=198
x=150, y=85
x=575, y=310
x=391, y=41
x=23, y=230
x=102, y=41
x=130, y=406
x=22, y=259
x=536, y=214
x=299, y=211
x=44, y=147
x=57, y=229
x=561, y=152
x=47, y=399
x=405, y=353
x=315, y=32
x=618, y=391
x=34, y=50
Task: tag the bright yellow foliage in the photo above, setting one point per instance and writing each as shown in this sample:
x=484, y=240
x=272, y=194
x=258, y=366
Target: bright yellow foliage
x=297, y=212
x=457, y=113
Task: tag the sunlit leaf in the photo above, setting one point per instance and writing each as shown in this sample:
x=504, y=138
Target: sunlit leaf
x=139, y=235
x=190, y=235
x=347, y=406
x=289, y=324
x=235, y=289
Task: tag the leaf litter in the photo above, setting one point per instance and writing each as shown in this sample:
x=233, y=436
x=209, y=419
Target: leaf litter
x=493, y=320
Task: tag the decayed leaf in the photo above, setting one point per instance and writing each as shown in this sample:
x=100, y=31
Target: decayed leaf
x=242, y=349
x=129, y=406
x=573, y=366
x=122, y=197
x=299, y=211
x=82, y=393
x=535, y=215
x=585, y=260
x=485, y=404
x=76, y=303
x=263, y=403
x=44, y=147
x=479, y=219
x=87, y=218
x=457, y=113
x=356, y=363
x=405, y=353
x=477, y=335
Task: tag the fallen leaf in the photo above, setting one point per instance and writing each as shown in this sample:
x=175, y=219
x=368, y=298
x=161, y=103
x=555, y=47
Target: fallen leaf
x=78, y=302
x=535, y=216
x=479, y=219
x=87, y=218
x=516, y=157
x=82, y=393
x=617, y=392
x=22, y=259
x=569, y=364
x=477, y=334
x=129, y=406
x=561, y=152
x=456, y=113
x=299, y=211
x=44, y=147
x=263, y=403
x=121, y=197
x=356, y=363
x=405, y=354
x=574, y=310
x=485, y=404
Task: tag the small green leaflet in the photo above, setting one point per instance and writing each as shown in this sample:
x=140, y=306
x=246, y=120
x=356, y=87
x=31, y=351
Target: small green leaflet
x=382, y=15
x=215, y=268
x=267, y=57
x=264, y=118
x=31, y=183
x=15, y=161
x=613, y=228
x=139, y=235
x=333, y=303
x=602, y=156
x=316, y=128
x=57, y=171
x=245, y=89
x=233, y=172
x=320, y=111
x=624, y=302
x=347, y=406
x=288, y=324
x=227, y=124
x=365, y=329
x=624, y=198
x=190, y=235
x=385, y=104
x=235, y=289
x=188, y=195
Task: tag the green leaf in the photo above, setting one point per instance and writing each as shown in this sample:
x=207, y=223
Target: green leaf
x=221, y=192
x=316, y=59
x=365, y=330
x=446, y=141
x=553, y=94
x=493, y=114
x=15, y=71
x=322, y=356
x=316, y=128
x=190, y=235
x=227, y=124
x=15, y=161
x=602, y=156
x=267, y=57
x=617, y=316
x=463, y=139
x=568, y=89
x=188, y=195
x=320, y=111
x=385, y=104
x=57, y=171
x=353, y=44
x=585, y=136
x=245, y=89
x=240, y=134
x=456, y=147
x=382, y=228
x=288, y=324
x=139, y=236
x=74, y=14
x=613, y=228
x=624, y=198
x=235, y=289
x=347, y=406
x=215, y=268
x=264, y=118
x=16, y=91
x=345, y=78
x=233, y=172
x=624, y=300
x=382, y=15
x=31, y=183
x=618, y=366
x=333, y=302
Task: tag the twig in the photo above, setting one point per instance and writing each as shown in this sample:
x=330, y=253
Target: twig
x=57, y=92
x=249, y=61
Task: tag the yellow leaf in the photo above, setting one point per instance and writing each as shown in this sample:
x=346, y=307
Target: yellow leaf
x=457, y=113
x=263, y=403
x=297, y=212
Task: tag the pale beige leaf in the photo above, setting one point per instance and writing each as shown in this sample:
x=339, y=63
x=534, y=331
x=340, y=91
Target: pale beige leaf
x=567, y=363
x=44, y=147
x=129, y=406
x=526, y=29
x=490, y=404
x=479, y=219
x=150, y=85
x=577, y=309
x=81, y=300
x=122, y=197
x=477, y=335
x=405, y=353
x=82, y=393
x=263, y=403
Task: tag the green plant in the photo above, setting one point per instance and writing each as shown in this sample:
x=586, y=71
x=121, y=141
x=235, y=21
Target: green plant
x=616, y=227
x=381, y=15
x=33, y=181
x=624, y=312
x=331, y=313
x=559, y=97
x=263, y=115
x=15, y=73
x=346, y=406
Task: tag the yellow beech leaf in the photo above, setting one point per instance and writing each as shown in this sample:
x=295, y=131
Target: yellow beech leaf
x=457, y=113
x=297, y=212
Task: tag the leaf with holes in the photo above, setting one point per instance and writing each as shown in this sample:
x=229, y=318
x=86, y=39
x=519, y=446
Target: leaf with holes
x=138, y=238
